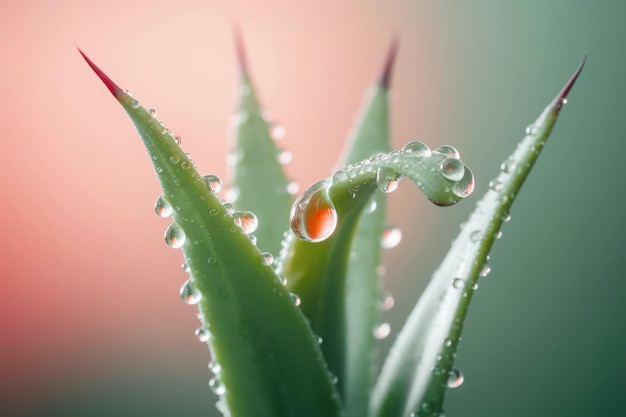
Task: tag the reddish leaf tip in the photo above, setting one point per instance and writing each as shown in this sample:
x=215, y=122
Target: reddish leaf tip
x=113, y=88
x=562, y=96
x=240, y=47
x=385, y=75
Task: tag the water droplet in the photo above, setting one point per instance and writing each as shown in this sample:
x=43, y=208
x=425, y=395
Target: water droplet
x=277, y=131
x=448, y=150
x=152, y=112
x=447, y=342
x=388, y=301
x=476, y=235
x=382, y=330
x=319, y=340
x=293, y=188
x=217, y=386
x=213, y=212
x=175, y=158
x=498, y=234
x=387, y=179
x=458, y=283
x=282, y=279
x=507, y=166
x=452, y=169
x=296, y=300
x=475, y=286
x=455, y=378
x=485, y=271
x=246, y=220
x=162, y=208
x=496, y=185
x=530, y=129
x=174, y=236
x=185, y=267
x=214, y=182
x=230, y=209
x=185, y=165
x=202, y=334
x=372, y=207
x=416, y=148
x=465, y=186
x=284, y=157
x=391, y=237
x=313, y=216
x=215, y=367
x=506, y=218
x=252, y=239
x=189, y=293
x=267, y=258
x=178, y=139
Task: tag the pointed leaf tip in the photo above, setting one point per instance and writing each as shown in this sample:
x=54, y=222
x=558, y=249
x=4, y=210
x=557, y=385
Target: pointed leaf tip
x=240, y=48
x=113, y=88
x=562, y=96
x=385, y=75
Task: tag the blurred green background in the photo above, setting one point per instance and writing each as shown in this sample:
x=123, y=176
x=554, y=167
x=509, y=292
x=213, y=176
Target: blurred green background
x=91, y=322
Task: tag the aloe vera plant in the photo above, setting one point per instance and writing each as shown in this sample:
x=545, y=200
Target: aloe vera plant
x=289, y=292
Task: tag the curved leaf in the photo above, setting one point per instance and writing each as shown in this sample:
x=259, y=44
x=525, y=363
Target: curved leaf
x=250, y=320
x=419, y=367
x=317, y=271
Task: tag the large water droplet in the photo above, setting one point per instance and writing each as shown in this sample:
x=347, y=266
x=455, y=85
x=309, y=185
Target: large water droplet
x=382, y=330
x=313, y=216
x=246, y=220
x=416, y=148
x=174, y=236
x=387, y=179
x=452, y=169
x=189, y=293
x=217, y=386
x=455, y=378
x=391, y=237
x=214, y=182
x=448, y=150
x=162, y=208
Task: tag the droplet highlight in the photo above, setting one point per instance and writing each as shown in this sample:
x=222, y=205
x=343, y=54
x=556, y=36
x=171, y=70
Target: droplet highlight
x=313, y=216
x=174, y=236
x=458, y=283
x=202, y=334
x=267, y=258
x=382, y=330
x=216, y=386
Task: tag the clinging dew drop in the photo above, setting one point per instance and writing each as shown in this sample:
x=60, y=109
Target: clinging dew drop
x=452, y=169
x=448, y=150
x=189, y=293
x=162, y=208
x=416, y=148
x=387, y=179
x=214, y=182
x=246, y=220
x=455, y=378
x=313, y=216
x=174, y=236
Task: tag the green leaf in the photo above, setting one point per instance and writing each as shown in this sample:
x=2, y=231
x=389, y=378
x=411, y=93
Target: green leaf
x=258, y=179
x=252, y=324
x=416, y=372
x=315, y=268
x=369, y=137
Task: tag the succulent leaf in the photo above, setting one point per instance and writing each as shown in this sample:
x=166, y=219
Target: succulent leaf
x=419, y=367
x=250, y=321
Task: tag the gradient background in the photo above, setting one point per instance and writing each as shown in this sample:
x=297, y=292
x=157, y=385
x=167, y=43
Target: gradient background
x=91, y=323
